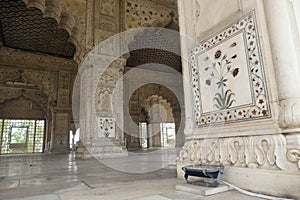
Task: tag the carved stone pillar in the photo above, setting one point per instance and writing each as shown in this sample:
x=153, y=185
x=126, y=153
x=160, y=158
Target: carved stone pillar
x=155, y=115
x=99, y=112
x=179, y=127
x=86, y=104
x=284, y=44
x=156, y=138
x=85, y=117
x=109, y=95
x=52, y=141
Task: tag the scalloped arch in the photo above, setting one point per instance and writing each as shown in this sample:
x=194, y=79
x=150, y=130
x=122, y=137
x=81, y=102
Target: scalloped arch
x=146, y=104
x=28, y=97
x=55, y=9
x=165, y=94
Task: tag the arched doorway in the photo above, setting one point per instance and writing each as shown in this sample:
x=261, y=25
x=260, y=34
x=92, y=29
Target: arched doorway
x=156, y=111
x=22, y=126
x=161, y=122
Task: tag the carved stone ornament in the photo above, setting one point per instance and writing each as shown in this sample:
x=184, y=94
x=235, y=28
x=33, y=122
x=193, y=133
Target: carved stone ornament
x=148, y=13
x=23, y=83
x=294, y=156
x=268, y=151
x=290, y=113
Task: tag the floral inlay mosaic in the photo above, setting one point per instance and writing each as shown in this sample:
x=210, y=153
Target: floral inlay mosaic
x=228, y=77
x=219, y=71
x=107, y=127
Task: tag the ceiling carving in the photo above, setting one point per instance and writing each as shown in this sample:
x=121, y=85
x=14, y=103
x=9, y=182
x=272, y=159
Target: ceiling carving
x=161, y=47
x=27, y=29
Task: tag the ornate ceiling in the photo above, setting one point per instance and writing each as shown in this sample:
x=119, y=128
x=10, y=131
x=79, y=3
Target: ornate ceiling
x=163, y=47
x=26, y=28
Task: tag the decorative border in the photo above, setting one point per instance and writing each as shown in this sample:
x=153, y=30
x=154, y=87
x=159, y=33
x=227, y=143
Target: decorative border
x=260, y=107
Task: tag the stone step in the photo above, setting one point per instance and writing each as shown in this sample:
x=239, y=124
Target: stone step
x=201, y=190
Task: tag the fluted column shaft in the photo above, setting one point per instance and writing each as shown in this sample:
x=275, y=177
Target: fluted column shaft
x=281, y=26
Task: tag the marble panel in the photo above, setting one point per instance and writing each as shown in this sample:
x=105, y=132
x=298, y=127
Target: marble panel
x=228, y=78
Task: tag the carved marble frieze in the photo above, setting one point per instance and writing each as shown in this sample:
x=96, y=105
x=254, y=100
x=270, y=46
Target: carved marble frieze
x=148, y=13
x=36, y=86
x=267, y=151
x=228, y=77
x=18, y=58
x=108, y=7
x=27, y=79
x=37, y=96
x=106, y=85
x=109, y=19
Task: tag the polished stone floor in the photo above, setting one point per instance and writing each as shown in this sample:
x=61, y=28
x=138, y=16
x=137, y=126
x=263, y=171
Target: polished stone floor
x=61, y=176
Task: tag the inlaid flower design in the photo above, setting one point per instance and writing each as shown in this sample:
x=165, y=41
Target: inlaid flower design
x=237, y=81
x=106, y=125
x=220, y=72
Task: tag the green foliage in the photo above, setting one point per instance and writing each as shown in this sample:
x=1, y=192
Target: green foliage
x=224, y=101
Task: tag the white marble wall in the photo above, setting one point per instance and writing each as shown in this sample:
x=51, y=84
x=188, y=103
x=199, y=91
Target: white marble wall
x=272, y=139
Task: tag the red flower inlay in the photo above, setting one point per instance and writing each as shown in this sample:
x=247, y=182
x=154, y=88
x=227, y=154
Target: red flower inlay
x=235, y=72
x=218, y=54
x=264, y=112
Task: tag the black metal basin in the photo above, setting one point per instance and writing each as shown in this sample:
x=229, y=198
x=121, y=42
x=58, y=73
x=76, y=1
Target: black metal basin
x=212, y=174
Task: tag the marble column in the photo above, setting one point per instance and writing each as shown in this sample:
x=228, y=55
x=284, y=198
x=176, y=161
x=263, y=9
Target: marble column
x=296, y=12
x=109, y=95
x=155, y=115
x=156, y=134
x=86, y=105
x=178, y=116
x=52, y=134
x=101, y=106
x=286, y=63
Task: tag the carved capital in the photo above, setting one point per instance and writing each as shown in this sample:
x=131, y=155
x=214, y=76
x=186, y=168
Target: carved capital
x=290, y=113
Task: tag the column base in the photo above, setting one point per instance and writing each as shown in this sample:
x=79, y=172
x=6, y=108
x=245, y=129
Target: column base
x=102, y=148
x=81, y=152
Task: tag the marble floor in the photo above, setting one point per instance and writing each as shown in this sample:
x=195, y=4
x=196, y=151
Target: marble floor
x=62, y=177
